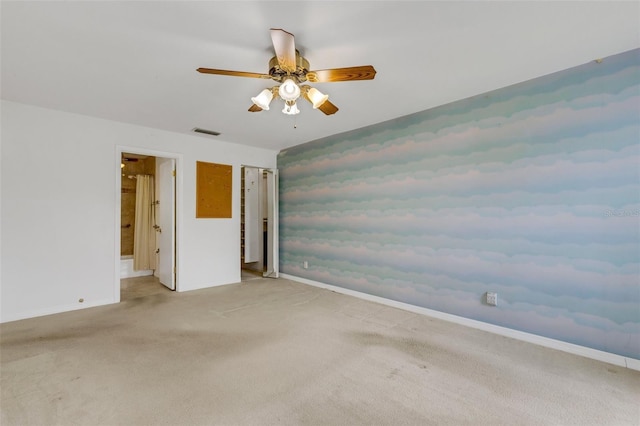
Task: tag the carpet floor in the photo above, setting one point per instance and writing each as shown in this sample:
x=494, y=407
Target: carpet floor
x=276, y=352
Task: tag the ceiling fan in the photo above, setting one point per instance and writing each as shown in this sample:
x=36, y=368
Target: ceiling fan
x=291, y=70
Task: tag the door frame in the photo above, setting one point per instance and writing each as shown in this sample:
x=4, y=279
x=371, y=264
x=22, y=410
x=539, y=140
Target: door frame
x=273, y=228
x=275, y=234
x=118, y=191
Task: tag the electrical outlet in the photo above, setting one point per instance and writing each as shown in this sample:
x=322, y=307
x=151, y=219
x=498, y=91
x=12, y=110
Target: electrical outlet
x=492, y=298
x=305, y=265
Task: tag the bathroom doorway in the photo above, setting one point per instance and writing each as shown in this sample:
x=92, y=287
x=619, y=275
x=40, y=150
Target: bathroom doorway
x=147, y=225
x=259, y=223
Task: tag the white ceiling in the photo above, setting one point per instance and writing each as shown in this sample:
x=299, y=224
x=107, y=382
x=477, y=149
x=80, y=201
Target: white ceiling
x=135, y=62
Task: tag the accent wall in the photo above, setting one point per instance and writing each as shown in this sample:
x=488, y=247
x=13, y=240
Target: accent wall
x=531, y=191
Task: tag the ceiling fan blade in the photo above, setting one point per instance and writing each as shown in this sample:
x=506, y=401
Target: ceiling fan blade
x=233, y=73
x=285, y=47
x=364, y=72
x=328, y=108
x=254, y=108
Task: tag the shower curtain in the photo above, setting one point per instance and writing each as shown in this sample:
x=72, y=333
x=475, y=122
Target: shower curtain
x=144, y=238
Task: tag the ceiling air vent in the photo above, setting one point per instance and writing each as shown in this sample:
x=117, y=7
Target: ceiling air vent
x=206, y=132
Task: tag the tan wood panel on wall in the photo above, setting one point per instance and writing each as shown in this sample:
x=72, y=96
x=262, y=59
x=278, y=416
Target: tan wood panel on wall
x=213, y=190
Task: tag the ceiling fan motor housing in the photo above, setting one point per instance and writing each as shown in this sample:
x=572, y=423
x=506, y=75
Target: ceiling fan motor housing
x=299, y=75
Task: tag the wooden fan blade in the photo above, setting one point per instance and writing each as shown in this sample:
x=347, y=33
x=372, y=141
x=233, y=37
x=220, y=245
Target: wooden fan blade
x=364, y=72
x=328, y=108
x=285, y=48
x=233, y=73
x=255, y=108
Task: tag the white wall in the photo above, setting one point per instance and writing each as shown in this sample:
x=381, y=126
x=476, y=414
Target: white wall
x=60, y=222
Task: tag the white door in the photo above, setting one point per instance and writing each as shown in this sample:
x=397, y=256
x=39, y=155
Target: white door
x=272, y=268
x=166, y=221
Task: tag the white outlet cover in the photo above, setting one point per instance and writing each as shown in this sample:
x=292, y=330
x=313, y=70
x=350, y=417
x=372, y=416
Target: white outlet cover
x=492, y=298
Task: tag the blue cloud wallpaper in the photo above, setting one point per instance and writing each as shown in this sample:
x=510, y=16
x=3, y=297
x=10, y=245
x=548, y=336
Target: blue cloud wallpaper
x=531, y=191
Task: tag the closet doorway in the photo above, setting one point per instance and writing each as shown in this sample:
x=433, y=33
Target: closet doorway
x=147, y=224
x=259, y=222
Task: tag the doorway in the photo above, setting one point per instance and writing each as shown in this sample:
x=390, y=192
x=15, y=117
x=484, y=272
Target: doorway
x=146, y=221
x=259, y=223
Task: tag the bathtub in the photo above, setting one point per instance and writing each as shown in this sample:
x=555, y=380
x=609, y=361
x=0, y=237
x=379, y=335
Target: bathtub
x=126, y=268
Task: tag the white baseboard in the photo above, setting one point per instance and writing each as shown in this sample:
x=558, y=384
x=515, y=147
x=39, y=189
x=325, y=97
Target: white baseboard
x=571, y=348
x=633, y=364
x=55, y=310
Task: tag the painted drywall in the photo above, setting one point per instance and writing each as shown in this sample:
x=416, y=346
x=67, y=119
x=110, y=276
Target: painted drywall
x=59, y=217
x=531, y=191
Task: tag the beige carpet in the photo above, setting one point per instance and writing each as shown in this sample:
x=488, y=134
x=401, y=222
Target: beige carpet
x=277, y=352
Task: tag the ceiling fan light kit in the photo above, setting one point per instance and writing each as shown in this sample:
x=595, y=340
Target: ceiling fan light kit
x=316, y=97
x=291, y=70
x=263, y=99
x=290, y=108
x=289, y=90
